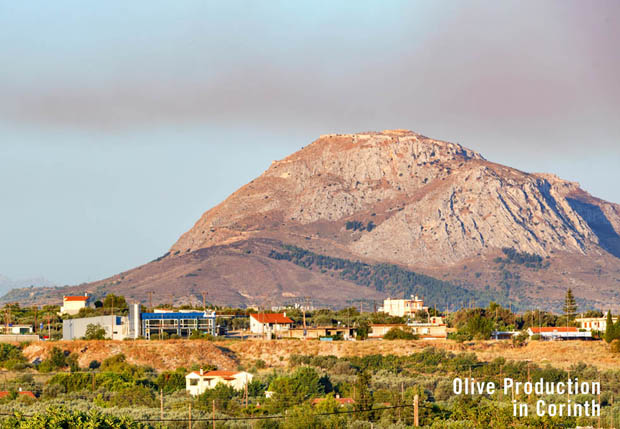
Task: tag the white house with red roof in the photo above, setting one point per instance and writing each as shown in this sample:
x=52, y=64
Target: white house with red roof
x=270, y=323
x=73, y=304
x=197, y=382
x=559, y=333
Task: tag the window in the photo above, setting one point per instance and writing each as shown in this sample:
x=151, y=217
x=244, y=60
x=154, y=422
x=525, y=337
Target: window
x=193, y=382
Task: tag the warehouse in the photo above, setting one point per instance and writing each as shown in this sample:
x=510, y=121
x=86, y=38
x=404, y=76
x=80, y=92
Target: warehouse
x=177, y=323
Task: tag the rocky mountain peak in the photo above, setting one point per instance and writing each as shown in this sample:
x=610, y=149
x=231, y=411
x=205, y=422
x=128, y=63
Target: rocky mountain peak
x=428, y=200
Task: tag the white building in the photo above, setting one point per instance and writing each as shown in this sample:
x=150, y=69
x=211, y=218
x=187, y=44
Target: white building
x=73, y=304
x=19, y=329
x=594, y=323
x=403, y=307
x=116, y=327
x=197, y=382
x=271, y=324
x=559, y=333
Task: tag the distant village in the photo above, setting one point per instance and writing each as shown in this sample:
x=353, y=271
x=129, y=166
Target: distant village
x=398, y=318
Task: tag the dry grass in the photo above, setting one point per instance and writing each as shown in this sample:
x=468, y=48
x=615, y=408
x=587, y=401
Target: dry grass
x=559, y=354
x=171, y=354
x=161, y=355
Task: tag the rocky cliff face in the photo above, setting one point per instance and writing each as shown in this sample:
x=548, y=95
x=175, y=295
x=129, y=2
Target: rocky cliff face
x=430, y=202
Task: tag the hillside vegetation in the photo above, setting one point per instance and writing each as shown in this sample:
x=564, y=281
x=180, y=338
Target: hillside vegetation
x=388, y=278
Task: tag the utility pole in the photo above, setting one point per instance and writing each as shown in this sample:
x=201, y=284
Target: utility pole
x=303, y=310
x=599, y=403
x=150, y=300
x=416, y=415
x=402, y=398
x=190, y=416
x=161, y=403
x=529, y=379
x=112, y=314
x=35, y=319
x=213, y=415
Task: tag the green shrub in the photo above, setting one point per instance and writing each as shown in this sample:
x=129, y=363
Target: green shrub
x=615, y=346
x=399, y=334
x=94, y=332
x=58, y=417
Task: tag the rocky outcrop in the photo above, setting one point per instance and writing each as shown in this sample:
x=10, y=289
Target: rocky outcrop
x=430, y=201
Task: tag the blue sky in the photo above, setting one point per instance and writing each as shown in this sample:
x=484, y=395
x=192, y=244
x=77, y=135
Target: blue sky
x=122, y=122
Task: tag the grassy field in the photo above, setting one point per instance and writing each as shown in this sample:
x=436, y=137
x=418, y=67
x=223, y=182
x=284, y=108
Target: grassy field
x=561, y=354
x=228, y=354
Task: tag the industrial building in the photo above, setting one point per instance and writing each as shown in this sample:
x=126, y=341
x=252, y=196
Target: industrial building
x=146, y=325
x=177, y=323
x=115, y=327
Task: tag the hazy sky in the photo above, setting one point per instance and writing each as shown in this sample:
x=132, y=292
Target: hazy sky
x=122, y=122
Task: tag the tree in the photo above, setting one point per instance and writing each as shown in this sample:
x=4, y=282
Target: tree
x=363, y=395
x=570, y=305
x=305, y=383
x=610, y=330
x=94, y=332
x=72, y=361
x=362, y=329
x=399, y=334
x=115, y=302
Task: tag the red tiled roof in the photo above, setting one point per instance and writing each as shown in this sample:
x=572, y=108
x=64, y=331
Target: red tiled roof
x=341, y=401
x=75, y=298
x=388, y=324
x=271, y=318
x=228, y=375
x=25, y=392
x=553, y=329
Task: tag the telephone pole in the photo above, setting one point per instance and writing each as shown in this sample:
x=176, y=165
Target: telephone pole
x=35, y=319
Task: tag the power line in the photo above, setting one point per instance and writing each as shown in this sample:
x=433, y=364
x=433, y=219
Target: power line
x=269, y=417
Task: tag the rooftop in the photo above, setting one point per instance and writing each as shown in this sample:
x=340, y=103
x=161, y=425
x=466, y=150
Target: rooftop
x=228, y=375
x=177, y=315
x=341, y=401
x=554, y=329
x=271, y=318
x=75, y=298
x=24, y=392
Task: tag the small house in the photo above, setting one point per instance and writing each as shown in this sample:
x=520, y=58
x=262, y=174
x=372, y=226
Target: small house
x=559, y=333
x=271, y=324
x=594, y=323
x=197, y=382
x=73, y=304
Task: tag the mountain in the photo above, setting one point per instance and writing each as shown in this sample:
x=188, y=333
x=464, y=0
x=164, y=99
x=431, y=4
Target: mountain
x=7, y=284
x=357, y=217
